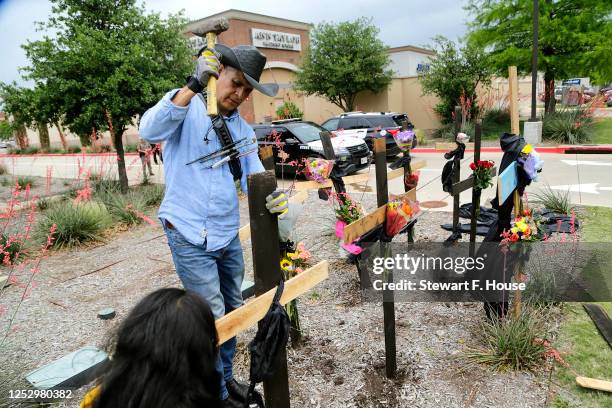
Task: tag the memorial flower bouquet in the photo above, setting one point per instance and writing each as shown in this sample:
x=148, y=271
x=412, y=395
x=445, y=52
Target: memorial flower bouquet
x=531, y=162
x=398, y=213
x=317, y=169
x=403, y=139
x=482, y=174
x=347, y=210
x=523, y=228
x=293, y=261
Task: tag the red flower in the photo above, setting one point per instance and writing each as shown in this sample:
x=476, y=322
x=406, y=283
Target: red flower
x=472, y=166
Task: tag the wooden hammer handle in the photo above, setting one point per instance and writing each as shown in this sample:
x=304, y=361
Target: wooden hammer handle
x=211, y=88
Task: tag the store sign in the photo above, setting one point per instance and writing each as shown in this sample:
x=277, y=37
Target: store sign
x=422, y=68
x=574, y=81
x=275, y=39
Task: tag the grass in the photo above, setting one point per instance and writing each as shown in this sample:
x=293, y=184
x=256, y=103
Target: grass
x=23, y=181
x=602, y=131
x=75, y=223
x=587, y=355
x=153, y=194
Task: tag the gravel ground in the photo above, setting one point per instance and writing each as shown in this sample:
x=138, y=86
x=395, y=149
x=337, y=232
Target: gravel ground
x=340, y=363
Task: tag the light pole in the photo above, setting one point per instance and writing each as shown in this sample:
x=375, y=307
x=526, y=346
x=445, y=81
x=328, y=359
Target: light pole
x=534, y=59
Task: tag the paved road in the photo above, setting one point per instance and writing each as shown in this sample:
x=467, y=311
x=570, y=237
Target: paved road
x=586, y=176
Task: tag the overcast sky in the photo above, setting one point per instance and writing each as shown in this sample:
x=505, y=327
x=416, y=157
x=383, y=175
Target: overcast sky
x=408, y=22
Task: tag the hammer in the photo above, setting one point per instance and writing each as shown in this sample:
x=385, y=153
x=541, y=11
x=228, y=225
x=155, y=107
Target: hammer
x=210, y=29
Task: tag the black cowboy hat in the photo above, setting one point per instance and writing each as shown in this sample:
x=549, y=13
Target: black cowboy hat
x=250, y=61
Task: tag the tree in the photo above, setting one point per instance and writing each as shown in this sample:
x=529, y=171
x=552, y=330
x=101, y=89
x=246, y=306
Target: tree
x=343, y=60
x=575, y=38
x=15, y=101
x=107, y=63
x=454, y=74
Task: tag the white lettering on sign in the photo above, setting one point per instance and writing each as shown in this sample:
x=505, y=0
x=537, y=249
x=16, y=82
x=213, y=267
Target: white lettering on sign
x=275, y=39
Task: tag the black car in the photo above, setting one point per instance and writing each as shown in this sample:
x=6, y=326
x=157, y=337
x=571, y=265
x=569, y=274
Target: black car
x=368, y=125
x=294, y=139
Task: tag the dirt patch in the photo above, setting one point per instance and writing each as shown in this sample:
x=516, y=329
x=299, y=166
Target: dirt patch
x=340, y=363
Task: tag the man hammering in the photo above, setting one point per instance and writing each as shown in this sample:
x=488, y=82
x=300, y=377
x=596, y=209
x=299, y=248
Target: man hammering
x=205, y=156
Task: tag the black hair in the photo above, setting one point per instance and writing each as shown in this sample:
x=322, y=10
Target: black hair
x=164, y=355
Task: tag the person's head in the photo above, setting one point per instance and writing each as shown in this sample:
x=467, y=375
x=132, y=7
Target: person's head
x=164, y=355
x=241, y=69
x=232, y=89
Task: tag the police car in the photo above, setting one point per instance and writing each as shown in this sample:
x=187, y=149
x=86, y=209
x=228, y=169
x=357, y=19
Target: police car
x=293, y=140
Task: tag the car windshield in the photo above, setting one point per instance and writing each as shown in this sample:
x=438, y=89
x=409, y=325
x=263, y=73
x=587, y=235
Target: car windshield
x=381, y=121
x=306, y=132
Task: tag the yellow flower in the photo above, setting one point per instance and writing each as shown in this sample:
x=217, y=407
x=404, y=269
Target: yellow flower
x=514, y=230
x=286, y=265
x=527, y=149
x=521, y=225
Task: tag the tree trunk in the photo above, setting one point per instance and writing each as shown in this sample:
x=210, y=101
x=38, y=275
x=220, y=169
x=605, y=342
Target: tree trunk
x=109, y=120
x=21, y=135
x=43, y=136
x=123, y=180
x=62, y=136
x=549, y=92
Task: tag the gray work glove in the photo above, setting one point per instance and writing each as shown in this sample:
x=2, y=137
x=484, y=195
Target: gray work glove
x=278, y=203
x=286, y=222
x=206, y=65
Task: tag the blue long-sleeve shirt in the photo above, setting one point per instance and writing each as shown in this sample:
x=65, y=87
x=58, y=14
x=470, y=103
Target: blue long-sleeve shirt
x=201, y=202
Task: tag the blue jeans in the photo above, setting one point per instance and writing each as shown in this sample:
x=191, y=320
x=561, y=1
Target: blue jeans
x=217, y=277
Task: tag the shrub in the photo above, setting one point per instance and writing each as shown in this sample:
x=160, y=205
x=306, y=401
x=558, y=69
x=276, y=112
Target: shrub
x=448, y=131
x=23, y=181
x=14, y=249
x=153, y=194
x=30, y=150
x=57, y=150
x=512, y=343
x=43, y=203
x=557, y=201
x=75, y=223
x=420, y=136
x=126, y=208
x=569, y=125
x=289, y=110
x=497, y=116
x=130, y=148
x=74, y=149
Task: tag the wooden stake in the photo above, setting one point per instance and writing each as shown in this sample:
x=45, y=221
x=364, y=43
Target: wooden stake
x=514, y=105
x=267, y=157
x=267, y=272
x=475, y=192
x=594, y=384
x=382, y=196
x=514, y=124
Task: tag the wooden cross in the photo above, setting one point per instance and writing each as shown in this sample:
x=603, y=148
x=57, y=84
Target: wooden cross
x=267, y=273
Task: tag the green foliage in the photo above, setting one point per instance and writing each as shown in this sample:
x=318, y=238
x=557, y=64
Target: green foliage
x=10, y=246
x=344, y=59
x=448, y=131
x=511, y=343
x=131, y=148
x=568, y=126
x=75, y=223
x=124, y=60
x=23, y=181
x=43, y=203
x=126, y=208
x=289, y=110
x=496, y=116
x=575, y=38
x=153, y=194
x=30, y=150
x=74, y=149
x=6, y=130
x=557, y=201
x=57, y=150
x=455, y=72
